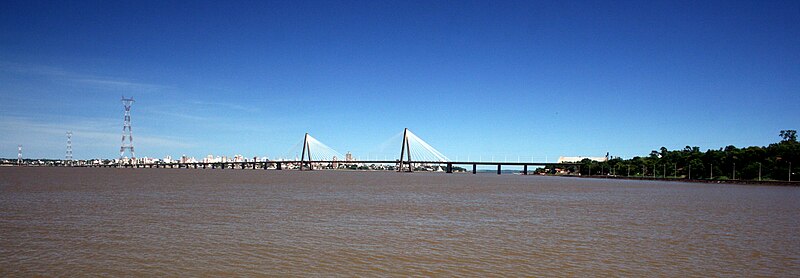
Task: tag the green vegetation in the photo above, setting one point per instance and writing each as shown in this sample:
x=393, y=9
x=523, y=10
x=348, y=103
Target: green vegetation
x=773, y=162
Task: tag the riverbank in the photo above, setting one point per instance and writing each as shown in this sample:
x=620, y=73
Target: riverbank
x=747, y=182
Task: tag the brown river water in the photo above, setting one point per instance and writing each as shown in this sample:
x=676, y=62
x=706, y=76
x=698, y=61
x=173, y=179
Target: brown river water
x=194, y=222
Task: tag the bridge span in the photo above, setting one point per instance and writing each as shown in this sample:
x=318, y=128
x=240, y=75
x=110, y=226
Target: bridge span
x=308, y=165
x=413, y=151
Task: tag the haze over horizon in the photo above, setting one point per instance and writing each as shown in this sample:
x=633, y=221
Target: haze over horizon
x=501, y=79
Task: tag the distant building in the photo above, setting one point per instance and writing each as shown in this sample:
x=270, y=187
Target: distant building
x=348, y=157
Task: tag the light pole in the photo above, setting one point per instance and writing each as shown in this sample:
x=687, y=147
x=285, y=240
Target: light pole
x=734, y=170
x=790, y=171
x=629, y=170
x=690, y=171
x=711, y=171
x=759, y=171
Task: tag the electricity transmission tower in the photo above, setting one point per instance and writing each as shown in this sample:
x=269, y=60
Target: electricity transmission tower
x=126, y=130
x=68, y=158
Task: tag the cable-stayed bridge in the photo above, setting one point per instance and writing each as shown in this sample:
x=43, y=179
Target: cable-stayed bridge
x=415, y=154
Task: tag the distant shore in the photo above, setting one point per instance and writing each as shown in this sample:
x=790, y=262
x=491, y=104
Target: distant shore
x=514, y=172
x=747, y=182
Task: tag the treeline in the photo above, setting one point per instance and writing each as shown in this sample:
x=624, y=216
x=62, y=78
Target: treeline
x=773, y=162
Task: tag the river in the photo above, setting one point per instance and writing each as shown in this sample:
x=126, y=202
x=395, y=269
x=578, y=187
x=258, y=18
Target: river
x=195, y=222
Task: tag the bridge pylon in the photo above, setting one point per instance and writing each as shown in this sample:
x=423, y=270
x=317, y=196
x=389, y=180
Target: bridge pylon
x=405, y=150
x=306, y=150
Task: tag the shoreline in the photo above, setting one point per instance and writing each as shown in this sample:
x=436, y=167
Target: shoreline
x=741, y=182
x=511, y=172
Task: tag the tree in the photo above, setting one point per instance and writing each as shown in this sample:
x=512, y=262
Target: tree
x=789, y=135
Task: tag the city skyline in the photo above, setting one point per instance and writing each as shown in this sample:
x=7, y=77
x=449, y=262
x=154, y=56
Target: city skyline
x=472, y=79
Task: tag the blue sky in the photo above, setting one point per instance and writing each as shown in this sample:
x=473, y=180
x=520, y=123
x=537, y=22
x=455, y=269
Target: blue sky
x=495, y=78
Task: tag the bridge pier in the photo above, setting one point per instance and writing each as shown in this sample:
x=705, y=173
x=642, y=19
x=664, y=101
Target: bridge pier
x=280, y=166
x=498, y=169
x=474, y=168
x=525, y=170
x=449, y=167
